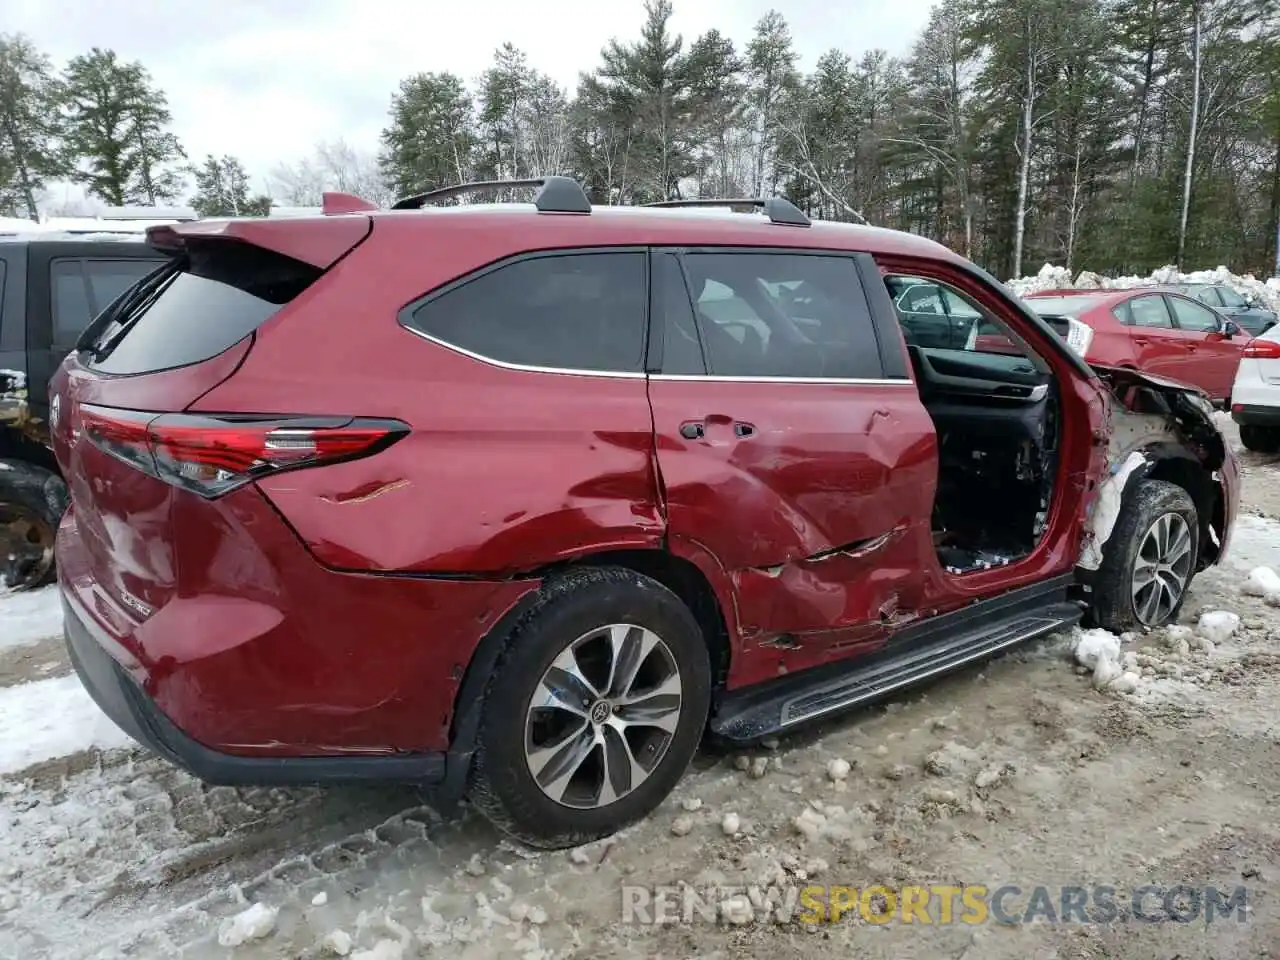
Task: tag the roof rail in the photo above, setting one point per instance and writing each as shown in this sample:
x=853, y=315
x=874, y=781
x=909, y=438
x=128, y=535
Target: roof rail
x=557, y=194
x=778, y=209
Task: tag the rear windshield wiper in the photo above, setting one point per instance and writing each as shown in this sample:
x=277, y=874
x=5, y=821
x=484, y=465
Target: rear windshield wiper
x=101, y=336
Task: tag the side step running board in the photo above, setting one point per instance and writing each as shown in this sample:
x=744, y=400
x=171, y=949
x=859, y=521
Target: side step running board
x=920, y=652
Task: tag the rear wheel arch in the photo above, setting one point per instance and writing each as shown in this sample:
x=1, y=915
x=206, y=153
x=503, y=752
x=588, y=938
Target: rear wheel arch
x=681, y=576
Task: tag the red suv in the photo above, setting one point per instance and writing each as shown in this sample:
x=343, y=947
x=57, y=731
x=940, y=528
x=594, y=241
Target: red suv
x=519, y=500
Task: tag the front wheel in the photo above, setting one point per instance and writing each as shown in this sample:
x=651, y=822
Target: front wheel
x=594, y=711
x=1149, y=560
x=1260, y=439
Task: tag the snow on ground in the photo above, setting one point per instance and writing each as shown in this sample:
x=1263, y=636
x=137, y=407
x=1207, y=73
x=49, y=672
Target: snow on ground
x=29, y=616
x=47, y=719
x=1059, y=278
x=1019, y=772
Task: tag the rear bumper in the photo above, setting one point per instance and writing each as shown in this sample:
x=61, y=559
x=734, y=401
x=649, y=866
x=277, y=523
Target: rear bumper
x=1253, y=414
x=130, y=708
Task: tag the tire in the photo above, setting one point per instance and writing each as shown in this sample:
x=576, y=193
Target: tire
x=1260, y=439
x=32, y=501
x=567, y=614
x=1115, y=606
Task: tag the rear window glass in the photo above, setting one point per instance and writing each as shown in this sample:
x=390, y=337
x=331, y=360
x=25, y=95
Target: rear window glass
x=1063, y=306
x=211, y=298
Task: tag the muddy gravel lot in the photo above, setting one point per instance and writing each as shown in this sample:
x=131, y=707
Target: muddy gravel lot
x=1019, y=774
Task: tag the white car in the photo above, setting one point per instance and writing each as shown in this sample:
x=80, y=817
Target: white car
x=1255, y=397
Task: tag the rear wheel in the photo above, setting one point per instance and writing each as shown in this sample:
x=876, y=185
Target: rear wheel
x=32, y=501
x=1260, y=439
x=1149, y=560
x=594, y=710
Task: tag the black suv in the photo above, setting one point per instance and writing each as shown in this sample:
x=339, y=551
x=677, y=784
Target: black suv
x=51, y=286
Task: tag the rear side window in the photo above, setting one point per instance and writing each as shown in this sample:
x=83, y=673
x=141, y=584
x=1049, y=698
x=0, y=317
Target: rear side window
x=209, y=299
x=71, y=308
x=767, y=315
x=110, y=278
x=1149, y=311
x=82, y=288
x=581, y=311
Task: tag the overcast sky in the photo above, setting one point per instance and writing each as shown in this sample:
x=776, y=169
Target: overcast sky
x=266, y=79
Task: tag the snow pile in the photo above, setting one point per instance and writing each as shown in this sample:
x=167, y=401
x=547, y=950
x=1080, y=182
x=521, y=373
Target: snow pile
x=1267, y=292
x=252, y=924
x=1217, y=626
x=51, y=718
x=29, y=616
x=1262, y=582
x=1099, y=650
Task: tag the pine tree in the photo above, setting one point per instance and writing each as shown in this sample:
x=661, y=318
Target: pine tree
x=430, y=141
x=116, y=131
x=771, y=72
x=647, y=84
x=30, y=125
x=222, y=190
x=716, y=89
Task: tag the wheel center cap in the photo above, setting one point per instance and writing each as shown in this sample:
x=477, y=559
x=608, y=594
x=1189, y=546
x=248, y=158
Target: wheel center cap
x=601, y=710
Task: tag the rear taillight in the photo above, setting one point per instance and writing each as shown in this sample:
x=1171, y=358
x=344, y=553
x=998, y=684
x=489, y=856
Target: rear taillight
x=1262, y=350
x=212, y=455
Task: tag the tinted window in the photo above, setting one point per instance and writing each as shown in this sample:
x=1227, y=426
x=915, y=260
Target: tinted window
x=782, y=315
x=1193, y=316
x=582, y=311
x=681, y=349
x=1232, y=299
x=71, y=307
x=1149, y=311
x=110, y=278
x=208, y=300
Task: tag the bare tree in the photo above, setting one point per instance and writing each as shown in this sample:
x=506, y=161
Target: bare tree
x=1192, y=131
x=333, y=165
x=799, y=161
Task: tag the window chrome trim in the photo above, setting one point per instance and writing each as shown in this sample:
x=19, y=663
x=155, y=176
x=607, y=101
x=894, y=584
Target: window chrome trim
x=629, y=375
x=524, y=367
x=828, y=381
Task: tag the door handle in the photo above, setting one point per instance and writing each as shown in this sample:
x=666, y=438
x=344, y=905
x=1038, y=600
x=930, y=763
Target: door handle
x=693, y=430
x=1142, y=340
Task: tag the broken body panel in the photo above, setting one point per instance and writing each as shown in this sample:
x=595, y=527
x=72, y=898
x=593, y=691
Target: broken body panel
x=1160, y=428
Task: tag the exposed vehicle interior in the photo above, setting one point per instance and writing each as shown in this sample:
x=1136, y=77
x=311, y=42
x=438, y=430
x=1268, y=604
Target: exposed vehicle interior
x=996, y=412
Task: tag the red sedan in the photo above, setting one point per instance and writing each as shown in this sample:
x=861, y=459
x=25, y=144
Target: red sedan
x=1154, y=330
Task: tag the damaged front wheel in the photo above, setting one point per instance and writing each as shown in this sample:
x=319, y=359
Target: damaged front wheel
x=1150, y=560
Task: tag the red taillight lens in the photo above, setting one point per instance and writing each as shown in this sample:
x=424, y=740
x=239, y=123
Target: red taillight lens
x=1262, y=350
x=212, y=455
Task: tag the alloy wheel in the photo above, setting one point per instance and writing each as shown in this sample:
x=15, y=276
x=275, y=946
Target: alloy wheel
x=1161, y=568
x=602, y=716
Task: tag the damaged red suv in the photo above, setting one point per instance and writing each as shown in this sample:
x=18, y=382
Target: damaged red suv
x=519, y=500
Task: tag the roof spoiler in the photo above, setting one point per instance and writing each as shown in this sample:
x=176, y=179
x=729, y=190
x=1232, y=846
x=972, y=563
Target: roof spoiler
x=319, y=242
x=778, y=209
x=555, y=194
